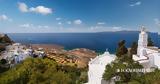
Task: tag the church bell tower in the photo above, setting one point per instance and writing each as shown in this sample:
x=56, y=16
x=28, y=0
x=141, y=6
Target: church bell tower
x=142, y=41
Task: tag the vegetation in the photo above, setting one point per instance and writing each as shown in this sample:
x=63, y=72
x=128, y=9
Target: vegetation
x=150, y=42
x=133, y=49
x=151, y=78
x=4, y=41
x=121, y=50
x=46, y=71
x=3, y=61
x=42, y=71
x=3, y=66
x=124, y=62
x=119, y=64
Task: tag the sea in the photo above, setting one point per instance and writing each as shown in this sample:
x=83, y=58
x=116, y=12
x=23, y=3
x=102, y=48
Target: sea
x=98, y=42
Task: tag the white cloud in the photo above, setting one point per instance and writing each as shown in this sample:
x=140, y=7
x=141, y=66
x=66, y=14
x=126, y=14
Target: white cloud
x=58, y=18
x=27, y=25
x=101, y=23
x=157, y=21
x=59, y=23
x=116, y=28
x=95, y=27
x=4, y=18
x=136, y=4
x=23, y=7
x=78, y=21
x=46, y=26
x=39, y=9
x=69, y=22
x=100, y=28
x=41, y=26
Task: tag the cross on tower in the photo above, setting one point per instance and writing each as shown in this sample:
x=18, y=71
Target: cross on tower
x=143, y=29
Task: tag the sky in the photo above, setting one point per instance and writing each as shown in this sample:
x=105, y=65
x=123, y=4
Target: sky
x=56, y=16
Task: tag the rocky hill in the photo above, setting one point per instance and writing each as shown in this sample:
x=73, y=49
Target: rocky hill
x=83, y=55
x=4, y=41
x=79, y=56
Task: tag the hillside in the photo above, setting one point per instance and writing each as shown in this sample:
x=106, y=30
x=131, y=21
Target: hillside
x=42, y=71
x=76, y=57
x=83, y=55
x=4, y=41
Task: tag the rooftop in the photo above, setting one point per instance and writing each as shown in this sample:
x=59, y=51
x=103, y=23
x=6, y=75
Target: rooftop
x=154, y=48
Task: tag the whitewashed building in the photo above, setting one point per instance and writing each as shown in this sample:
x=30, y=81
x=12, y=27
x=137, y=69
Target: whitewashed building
x=97, y=68
x=16, y=53
x=148, y=56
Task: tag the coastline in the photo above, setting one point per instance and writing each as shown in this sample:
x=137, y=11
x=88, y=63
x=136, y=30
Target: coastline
x=73, y=57
x=59, y=47
x=47, y=46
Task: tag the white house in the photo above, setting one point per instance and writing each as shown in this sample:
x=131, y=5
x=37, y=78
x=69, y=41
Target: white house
x=16, y=53
x=97, y=68
x=148, y=56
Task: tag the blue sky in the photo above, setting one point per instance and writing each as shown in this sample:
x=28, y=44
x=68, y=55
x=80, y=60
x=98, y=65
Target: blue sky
x=43, y=16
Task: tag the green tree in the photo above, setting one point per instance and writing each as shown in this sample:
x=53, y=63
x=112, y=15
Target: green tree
x=3, y=61
x=121, y=50
x=125, y=62
x=119, y=64
x=151, y=78
x=40, y=71
x=150, y=42
x=133, y=49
